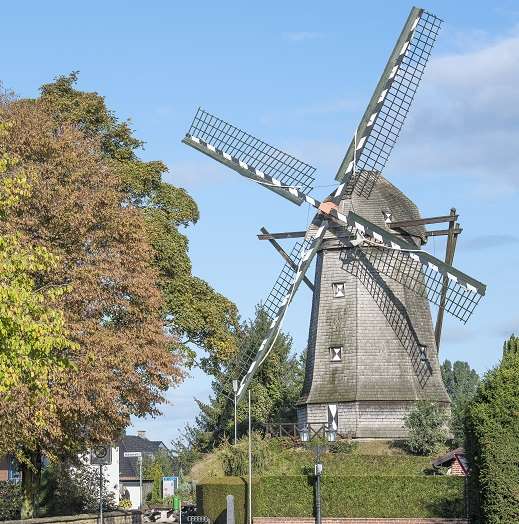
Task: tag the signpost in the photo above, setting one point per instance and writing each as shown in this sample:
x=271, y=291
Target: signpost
x=138, y=456
x=101, y=455
x=169, y=486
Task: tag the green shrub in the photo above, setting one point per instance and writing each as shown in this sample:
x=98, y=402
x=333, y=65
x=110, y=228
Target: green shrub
x=342, y=446
x=70, y=488
x=10, y=501
x=353, y=496
x=235, y=458
x=492, y=429
x=427, y=428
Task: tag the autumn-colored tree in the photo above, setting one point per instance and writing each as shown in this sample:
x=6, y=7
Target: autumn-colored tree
x=79, y=212
x=198, y=316
x=33, y=345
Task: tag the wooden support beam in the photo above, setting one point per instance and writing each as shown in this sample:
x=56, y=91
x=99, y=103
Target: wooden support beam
x=423, y=221
x=285, y=255
x=449, y=258
x=289, y=234
x=442, y=232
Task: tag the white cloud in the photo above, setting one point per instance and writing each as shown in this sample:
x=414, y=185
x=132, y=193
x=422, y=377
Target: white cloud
x=466, y=117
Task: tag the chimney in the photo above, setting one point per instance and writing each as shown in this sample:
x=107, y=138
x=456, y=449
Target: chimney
x=141, y=433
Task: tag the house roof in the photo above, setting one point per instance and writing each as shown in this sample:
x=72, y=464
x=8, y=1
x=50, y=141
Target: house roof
x=129, y=466
x=449, y=457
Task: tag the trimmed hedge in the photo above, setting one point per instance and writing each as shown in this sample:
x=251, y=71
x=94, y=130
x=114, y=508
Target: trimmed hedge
x=294, y=461
x=211, y=499
x=352, y=496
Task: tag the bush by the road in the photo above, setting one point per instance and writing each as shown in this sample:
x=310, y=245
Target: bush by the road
x=352, y=496
x=10, y=501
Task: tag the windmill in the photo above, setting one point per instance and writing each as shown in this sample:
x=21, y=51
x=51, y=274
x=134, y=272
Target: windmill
x=372, y=349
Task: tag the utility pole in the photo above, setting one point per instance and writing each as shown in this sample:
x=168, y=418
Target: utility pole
x=250, y=467
x=318, y=471
x=100, y=494
x=140, y=481
x=235, y=389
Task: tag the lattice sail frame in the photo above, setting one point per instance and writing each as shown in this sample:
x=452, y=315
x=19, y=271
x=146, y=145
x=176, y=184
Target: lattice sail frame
x=392, y=309
x=417, y=270
x=275, y=167
x=280, y=298
x=389, y=105
x=281, y=294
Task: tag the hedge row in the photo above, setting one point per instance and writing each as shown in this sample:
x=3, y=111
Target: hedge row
x=341, y=496
x=293, y=463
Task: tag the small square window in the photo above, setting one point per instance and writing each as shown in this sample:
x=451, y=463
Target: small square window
x=338, y=290
x=336, y=354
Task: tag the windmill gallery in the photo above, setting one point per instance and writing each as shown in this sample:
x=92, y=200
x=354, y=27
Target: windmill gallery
x=372, y=347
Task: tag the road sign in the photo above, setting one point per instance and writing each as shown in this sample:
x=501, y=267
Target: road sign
x=130, y=454
x=169, y=486
x=101, y=455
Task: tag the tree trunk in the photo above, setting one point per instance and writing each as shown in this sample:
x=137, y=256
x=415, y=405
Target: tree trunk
x=31, y=474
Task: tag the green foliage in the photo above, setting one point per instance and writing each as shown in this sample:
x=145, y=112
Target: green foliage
x=235, y=458
x=461, y=382
x=284, y=458
x=33, y=342
x=275, y=389
x=185, y=452
x=342, y=496
x=194, y=312
x=342, y=446
x=161, y=465
x=211, y=499
x=426, y=426
x=71, y=488
x=492, y=427
x=511, y=348
x=10, y=501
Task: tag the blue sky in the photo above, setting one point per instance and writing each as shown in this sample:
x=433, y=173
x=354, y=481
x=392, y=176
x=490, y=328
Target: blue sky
x=299, y=75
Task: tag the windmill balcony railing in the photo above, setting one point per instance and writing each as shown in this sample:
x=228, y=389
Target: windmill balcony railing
x=292, y=430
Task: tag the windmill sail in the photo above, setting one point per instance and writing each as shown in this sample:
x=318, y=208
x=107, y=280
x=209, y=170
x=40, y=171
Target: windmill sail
x=250, y=156
x=390, y=104
x=279, y=299
x=418, y=270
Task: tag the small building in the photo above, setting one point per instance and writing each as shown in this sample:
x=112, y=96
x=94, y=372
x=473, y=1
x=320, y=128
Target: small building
x=129, y=466
x=455, y=461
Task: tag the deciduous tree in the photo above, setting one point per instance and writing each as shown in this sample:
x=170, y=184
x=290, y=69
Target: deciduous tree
x=198, y=316
x=124, y=360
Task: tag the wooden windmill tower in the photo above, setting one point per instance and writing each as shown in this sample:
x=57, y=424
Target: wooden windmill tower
x=372, y=348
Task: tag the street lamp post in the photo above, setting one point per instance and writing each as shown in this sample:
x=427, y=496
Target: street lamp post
x=235, y=389
x=250, y=466
x=331, y=435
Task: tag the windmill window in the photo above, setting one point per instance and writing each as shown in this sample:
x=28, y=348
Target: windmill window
x=338, y=290
x=336, y=354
